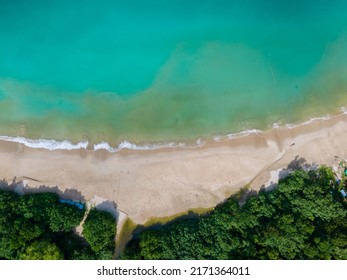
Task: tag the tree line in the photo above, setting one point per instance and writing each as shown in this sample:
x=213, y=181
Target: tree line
x=40, y=227
x=305, y=217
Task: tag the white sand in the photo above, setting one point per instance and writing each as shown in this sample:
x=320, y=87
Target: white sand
x=147, y=184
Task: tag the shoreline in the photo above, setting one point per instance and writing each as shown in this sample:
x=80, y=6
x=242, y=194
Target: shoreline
x=66, y=144
x=147, y=184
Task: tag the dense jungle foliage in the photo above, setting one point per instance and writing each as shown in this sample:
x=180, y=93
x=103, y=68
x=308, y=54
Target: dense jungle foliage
x=305, y=217
x=39, y=227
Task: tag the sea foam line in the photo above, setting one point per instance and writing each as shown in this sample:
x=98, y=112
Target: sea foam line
x=231, y=136
x=326, y=117
x=48, y=144
x=131, y=146
x=290, y=126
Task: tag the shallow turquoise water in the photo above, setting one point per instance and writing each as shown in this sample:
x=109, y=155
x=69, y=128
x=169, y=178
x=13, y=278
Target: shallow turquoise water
x=156, y=71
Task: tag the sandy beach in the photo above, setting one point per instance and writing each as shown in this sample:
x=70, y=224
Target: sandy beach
x=161, y=183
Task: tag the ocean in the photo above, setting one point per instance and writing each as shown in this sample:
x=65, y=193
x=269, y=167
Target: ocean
x=144, y=74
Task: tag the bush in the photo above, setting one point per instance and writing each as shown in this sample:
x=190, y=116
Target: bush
x=38, y=226
x=99, y=230
x=63, y=217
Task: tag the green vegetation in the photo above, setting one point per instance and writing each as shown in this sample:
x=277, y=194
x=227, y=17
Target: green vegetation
x=41, y=250
x=40, y=227
x=305, y=217
x=99, y=230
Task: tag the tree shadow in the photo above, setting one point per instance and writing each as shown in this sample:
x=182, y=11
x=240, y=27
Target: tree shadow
x=298, y=163
x=244, y=195
x=14, y=186
x=3, y=184
x=41, y=189
x=73, y=194
x=20, y=188
x=110, y=207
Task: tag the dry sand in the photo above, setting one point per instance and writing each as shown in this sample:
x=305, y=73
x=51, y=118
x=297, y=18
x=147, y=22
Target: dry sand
x=160, y=183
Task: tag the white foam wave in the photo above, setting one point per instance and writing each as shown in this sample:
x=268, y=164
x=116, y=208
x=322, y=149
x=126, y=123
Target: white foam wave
x=326, y=117
x=276, y=125
x=219, y=138
x=199, y=142
x=131, y=146
x=243, y=133
x=67, y=145
x=46, y=143
x=104, y=146
x=323, y=118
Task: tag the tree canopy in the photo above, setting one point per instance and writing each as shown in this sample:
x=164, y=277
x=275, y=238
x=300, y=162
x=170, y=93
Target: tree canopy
x=303, y=218
x=39, y=227
x=99, y=230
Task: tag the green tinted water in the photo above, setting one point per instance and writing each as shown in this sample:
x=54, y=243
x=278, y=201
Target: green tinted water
x=156, y=71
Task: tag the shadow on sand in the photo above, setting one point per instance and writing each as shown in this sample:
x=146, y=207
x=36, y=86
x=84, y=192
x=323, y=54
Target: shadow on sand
x=20, y=188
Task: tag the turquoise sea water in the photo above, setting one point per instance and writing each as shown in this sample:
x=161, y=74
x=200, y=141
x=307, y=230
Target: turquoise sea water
x=176, y=70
